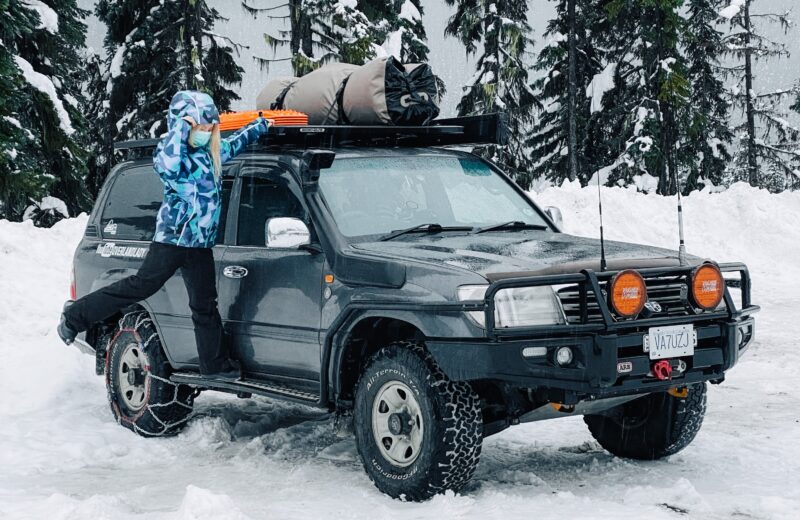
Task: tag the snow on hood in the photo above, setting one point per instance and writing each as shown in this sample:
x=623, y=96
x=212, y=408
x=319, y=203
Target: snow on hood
x=198, y=105
x=497, y=255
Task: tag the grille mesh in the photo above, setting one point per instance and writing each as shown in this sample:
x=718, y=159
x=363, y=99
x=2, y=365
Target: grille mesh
x=670, y=294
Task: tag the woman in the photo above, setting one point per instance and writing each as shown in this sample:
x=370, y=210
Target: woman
x=188, y=160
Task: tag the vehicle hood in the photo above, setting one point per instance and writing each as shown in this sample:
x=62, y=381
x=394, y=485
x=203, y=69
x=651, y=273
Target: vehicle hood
x=507, y=254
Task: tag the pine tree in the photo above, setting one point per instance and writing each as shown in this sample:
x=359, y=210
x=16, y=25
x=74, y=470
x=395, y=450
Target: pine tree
x=767, y=152
x=320, y=31
x=154, y=49
x=501, y=82
x=21, y=177
x=560, y=142
x=708, y=135
x=643, y=115
x=45, y=47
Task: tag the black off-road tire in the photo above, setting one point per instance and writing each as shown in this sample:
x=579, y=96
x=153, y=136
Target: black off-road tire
x=452, y=425
x=651, y=427
x=165, y=406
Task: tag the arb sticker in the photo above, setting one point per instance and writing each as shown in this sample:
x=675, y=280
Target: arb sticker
x=624, y=367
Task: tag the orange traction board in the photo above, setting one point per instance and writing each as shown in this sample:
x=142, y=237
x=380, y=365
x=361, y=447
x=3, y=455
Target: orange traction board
x=236, y=120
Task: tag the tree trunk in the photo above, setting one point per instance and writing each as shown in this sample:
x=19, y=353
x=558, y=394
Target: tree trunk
x=752, y=153
x=572, y=142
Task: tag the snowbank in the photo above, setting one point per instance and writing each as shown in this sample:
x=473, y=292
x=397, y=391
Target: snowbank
x=740, y=224
x=62, y=455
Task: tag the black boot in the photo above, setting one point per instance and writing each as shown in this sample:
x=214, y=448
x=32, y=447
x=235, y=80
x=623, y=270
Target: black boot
x=65, y=332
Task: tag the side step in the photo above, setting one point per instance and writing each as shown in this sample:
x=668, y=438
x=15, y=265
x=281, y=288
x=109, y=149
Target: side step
x=269, y=389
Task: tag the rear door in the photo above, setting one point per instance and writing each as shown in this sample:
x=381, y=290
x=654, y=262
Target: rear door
x=127, y=225
x=272, y=307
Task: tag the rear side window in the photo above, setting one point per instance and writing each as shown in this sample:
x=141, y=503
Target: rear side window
x=132, y=205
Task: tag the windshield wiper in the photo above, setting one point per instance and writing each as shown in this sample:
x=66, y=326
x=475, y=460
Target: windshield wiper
x=512, y=224
x=428, y=228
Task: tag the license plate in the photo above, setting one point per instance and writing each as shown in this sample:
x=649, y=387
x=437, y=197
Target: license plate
x=670, y=342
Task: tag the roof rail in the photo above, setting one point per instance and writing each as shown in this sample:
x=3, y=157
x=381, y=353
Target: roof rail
x=470, y=130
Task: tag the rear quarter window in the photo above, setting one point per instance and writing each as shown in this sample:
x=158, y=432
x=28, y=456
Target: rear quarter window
x=129, y=212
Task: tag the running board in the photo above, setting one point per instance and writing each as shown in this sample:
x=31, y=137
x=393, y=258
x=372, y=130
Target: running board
x=245, y=387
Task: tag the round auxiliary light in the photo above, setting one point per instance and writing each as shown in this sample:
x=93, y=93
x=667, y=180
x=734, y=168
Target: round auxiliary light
x=627, y=293
x=708, y=286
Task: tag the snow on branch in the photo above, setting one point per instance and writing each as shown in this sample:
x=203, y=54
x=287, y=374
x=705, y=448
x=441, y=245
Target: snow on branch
x=48, y=19
x=732, y=9
x=43, y=84
x=600, y=84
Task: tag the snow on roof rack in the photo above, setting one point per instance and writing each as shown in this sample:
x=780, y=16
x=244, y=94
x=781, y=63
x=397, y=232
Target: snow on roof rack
x=469, y=130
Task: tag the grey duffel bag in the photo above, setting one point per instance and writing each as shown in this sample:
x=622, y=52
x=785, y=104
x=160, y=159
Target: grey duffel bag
x=382, y=92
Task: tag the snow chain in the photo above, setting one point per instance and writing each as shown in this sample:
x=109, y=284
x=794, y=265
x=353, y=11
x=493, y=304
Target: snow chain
x=167, y=426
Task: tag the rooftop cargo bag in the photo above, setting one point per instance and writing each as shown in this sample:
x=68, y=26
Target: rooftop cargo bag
x=382, y=92
x=271, y=96
x=314, y=94
x=386, y=92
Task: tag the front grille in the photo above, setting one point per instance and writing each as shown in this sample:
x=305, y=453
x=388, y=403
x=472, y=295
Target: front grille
x=670, y=294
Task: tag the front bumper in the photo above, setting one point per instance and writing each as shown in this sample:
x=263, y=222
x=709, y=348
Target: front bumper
x=608, y=357
x=597, y=358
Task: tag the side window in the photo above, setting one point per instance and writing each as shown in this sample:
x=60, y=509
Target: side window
x=130, y=210
x=264, y=196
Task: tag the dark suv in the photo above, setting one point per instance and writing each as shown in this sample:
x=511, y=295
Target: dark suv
x=418, y=293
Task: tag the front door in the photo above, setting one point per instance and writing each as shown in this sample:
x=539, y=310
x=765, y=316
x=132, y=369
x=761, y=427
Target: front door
x=270, y=298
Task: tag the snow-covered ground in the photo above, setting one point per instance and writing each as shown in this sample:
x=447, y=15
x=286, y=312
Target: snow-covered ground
x=63, y=457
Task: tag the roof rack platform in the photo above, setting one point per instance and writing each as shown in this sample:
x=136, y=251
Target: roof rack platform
x=460, y=131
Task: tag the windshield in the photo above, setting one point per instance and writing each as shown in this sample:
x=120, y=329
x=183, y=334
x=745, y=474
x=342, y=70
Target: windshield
x=377, y=195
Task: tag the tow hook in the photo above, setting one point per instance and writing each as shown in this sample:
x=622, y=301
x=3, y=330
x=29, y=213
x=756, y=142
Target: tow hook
x=662, y=370
x=665, y=369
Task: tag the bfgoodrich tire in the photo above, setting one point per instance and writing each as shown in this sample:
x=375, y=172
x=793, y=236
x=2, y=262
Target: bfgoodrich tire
x=651, y=427
x=417, y=432
x=142, y=397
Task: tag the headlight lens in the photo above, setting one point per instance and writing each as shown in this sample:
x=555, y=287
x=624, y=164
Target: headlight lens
x=518, y=307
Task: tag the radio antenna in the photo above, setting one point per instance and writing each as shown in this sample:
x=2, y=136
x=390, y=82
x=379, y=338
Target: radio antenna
x=602, y=240
x=681, y=242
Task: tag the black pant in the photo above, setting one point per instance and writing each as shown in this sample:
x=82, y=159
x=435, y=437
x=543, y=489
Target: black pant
x=161, y=262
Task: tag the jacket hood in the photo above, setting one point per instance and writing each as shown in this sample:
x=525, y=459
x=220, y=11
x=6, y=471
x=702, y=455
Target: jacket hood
x=504, y=255
x=198, y=105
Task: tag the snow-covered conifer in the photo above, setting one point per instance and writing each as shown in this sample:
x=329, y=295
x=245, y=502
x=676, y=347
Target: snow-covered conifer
x=501, y=31
x=154, y=49
x=44, y=40
x=643, y=116
x=708, y=134
x=551, y=151
x=767, y=154
x=21, y=176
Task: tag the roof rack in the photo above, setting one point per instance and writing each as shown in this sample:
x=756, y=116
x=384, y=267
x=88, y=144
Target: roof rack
x=459, y=131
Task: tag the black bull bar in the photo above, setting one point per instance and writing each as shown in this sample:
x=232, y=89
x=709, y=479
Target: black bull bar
x=600, y=345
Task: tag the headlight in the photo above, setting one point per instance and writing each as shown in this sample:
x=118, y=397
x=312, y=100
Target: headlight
x=518, y=307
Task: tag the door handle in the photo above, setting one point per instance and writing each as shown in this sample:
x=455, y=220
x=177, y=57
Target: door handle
x=235, y=271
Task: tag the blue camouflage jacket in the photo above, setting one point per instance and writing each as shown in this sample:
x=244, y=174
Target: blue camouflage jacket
x=189, y=215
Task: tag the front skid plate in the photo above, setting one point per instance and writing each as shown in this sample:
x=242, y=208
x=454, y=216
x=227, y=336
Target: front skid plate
x=583, y=408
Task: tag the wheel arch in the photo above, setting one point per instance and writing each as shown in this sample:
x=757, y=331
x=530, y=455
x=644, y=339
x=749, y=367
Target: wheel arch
x=96, y=333
x=362, y=336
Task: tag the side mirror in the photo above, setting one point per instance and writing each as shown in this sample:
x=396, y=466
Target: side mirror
x=555, y=215
x=286, y=232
